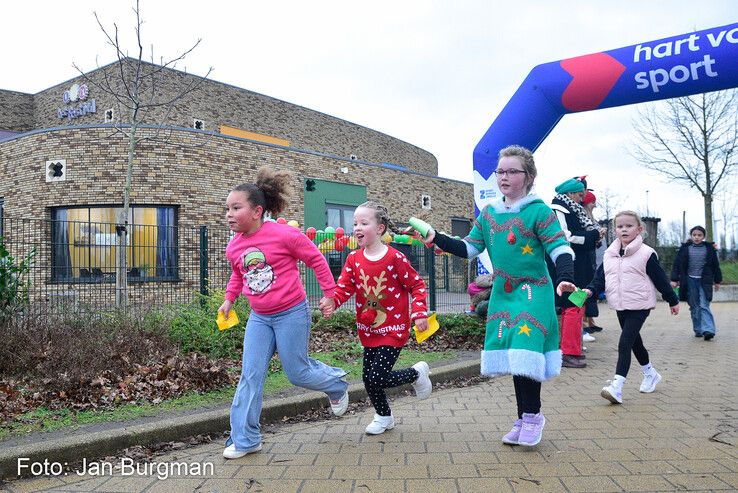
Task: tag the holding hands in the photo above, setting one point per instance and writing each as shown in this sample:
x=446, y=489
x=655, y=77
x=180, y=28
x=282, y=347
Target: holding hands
x=327, y=306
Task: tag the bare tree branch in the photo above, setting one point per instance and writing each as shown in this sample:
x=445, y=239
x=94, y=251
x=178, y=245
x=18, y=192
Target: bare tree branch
x=691, y=140
x=145, y=96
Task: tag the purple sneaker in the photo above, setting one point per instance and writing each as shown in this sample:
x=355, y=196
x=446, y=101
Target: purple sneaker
x=513, y=435
x=532, y=430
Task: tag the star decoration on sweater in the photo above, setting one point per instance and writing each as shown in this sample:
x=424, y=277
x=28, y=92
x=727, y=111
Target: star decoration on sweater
x=524, y=329
x=527, y=249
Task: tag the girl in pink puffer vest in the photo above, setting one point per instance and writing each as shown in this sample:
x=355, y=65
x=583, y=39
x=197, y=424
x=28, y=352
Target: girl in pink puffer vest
x=629, y=274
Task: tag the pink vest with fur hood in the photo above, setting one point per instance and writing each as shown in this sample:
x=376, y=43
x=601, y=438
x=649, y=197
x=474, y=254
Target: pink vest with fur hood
x=627, y=285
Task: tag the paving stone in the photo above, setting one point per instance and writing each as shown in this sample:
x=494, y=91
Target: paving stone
x=325, y=486
x=435, y=485
x=451, y=442
x=643, y=482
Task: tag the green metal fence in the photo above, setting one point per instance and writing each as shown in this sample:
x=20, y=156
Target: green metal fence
x=77, y=264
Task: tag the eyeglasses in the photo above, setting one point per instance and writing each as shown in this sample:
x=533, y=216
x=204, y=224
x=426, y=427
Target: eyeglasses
x=508, y=172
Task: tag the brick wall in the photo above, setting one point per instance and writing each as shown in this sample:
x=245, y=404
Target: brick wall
x=16, y=111
x=195, y=171
x=217, y=103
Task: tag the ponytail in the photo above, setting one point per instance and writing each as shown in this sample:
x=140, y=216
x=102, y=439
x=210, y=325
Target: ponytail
x=271, y=190
x=382, y=216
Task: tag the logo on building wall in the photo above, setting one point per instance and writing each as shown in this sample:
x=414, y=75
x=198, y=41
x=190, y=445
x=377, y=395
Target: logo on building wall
x=76, y=93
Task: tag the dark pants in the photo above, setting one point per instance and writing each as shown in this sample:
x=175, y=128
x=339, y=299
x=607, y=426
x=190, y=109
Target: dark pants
x=378, y=375
x=527, y=395
x=631, y=322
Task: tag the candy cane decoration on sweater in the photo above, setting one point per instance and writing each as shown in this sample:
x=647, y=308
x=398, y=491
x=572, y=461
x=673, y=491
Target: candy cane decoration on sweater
x=499, y=331
x=524, y=287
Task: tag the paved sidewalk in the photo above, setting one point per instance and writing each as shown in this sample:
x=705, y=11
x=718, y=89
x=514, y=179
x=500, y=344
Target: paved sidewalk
x=681, y=438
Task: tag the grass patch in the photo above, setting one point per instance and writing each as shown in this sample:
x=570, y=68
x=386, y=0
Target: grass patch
x=730, y=272
x=348, y=358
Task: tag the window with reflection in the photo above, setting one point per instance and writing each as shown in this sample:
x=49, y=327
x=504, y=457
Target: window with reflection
x=85, y=243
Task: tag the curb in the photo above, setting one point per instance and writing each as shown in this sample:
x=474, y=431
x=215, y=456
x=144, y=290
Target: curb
x=69, y=450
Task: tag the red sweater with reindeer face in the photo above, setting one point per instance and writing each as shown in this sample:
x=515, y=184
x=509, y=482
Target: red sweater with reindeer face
x=383, y=288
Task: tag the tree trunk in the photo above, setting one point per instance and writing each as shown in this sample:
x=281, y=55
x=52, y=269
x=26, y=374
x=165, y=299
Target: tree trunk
x=121, y=272
x=708, y=216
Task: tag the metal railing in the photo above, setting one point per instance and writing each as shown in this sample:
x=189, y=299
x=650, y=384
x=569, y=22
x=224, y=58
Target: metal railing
x=76, y=265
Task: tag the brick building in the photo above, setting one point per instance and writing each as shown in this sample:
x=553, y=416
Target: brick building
x=62, y=160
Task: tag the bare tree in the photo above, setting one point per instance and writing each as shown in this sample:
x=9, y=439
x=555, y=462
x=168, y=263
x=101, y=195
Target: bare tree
x=692, y=141
x=608, y=201
x=143, y=95
x=671, y=234
x=728, y=213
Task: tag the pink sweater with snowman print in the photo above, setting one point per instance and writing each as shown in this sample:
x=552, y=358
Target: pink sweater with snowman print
x=383, y=288
x=265, y=270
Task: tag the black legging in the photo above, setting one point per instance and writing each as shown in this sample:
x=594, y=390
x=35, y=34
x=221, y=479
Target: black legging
x=378, y=375
x=527, y=395
x=631, y=322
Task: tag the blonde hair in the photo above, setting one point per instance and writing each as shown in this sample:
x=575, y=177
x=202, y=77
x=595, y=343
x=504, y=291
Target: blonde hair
x=526, y=159
x=629, y=213
x=381, y=215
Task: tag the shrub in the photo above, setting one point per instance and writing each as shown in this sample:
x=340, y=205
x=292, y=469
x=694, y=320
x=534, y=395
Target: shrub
x=340, y=321
x=13, y=285
x=192, y=327
x=74, y=348
x=460, y=324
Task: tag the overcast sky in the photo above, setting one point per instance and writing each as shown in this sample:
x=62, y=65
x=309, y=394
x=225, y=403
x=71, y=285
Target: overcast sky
x=432, y=73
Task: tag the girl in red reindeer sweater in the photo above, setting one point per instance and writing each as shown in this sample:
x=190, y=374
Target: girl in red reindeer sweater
x=383, y=281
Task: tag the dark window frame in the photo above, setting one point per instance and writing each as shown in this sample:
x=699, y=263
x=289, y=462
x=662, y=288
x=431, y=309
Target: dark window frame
x=133, y=275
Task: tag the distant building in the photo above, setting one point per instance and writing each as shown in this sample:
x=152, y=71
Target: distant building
x=62, y=160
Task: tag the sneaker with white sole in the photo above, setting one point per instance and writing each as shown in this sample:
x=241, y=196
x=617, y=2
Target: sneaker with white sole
x=231, y=452
x=422, y=385
x=612, y=393
x=513, y=435
x=532, y=429
x=588, y=338
x=650, y=380
x=380, y=424
x=339, y=407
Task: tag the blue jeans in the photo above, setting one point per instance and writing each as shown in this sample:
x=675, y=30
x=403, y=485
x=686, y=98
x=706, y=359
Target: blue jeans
x=286, y=332
x=699, y=308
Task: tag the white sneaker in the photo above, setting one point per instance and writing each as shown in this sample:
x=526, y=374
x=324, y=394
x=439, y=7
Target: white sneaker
x=612, y=393
x=588, y=338
x=422, y=385
x=339, y=407
x=650, y=380
x=231, y=452
x=380, y=424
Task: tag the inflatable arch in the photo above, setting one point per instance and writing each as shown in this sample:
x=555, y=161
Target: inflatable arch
x=672, y=67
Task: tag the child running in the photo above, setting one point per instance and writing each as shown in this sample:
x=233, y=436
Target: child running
x=263, y=256
x=522, y=333
x=382, y=279
x=628, y=274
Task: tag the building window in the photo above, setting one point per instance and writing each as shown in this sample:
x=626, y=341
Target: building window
x=2, y=215
x=339, y=216
x=85, y=244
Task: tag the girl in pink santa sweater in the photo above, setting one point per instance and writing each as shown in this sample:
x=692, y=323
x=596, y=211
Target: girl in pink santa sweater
x=263, y=257
x=383, y=281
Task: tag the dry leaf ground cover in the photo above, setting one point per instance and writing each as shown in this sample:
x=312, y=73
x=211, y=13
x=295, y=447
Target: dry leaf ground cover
x=91, y=367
